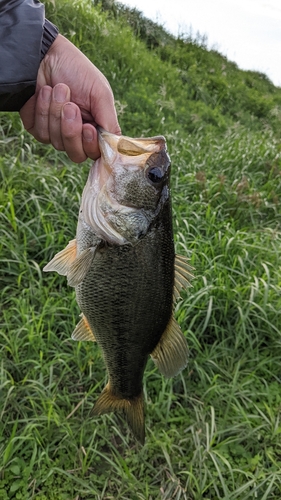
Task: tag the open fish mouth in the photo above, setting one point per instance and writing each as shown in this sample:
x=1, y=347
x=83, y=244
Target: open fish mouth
x=111, y=146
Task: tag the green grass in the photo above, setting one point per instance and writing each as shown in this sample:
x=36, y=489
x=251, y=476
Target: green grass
x=175, y=84
x=214, y=431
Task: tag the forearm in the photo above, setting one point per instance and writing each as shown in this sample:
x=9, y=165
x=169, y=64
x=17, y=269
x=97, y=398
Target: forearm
x=25, y=38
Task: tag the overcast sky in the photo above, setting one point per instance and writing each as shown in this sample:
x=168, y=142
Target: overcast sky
x=246, y=31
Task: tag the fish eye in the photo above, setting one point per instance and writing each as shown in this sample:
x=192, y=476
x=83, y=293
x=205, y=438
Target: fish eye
x=155, y=174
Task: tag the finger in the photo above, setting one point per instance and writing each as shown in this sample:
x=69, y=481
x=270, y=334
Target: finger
x=90, y=141
x=102, y=105
x=71, y=132
x=60, y=95
x=41, y=117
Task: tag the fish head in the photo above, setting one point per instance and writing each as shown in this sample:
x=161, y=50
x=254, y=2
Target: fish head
x=127, y=187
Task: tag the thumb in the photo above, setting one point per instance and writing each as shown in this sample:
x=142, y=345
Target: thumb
x=102, y=106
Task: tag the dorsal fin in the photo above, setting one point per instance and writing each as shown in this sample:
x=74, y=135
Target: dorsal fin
x=182, y=275
x=171, y=353
x=83, y=331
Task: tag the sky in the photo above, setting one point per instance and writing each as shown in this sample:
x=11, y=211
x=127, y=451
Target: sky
x=246, y=31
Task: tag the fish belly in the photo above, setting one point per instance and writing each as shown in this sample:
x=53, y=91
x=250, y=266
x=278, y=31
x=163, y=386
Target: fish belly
x=127, y=299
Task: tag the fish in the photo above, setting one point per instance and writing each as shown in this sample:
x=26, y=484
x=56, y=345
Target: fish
x=126, y=274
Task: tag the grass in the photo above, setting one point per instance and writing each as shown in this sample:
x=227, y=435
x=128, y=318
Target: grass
x=176, y=84
x=213, y=432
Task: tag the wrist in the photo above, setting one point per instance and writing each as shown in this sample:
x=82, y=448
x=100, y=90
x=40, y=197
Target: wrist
x=50, y=33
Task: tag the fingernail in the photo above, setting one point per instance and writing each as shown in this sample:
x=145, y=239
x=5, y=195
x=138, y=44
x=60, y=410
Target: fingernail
x=46, y=94
x=60, y=93
x=88, y=135
x=69, y=111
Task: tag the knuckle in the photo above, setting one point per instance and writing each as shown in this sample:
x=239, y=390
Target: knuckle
x=77, y=157
x=58, y=145
x=70, y=135
x=41, y=135
x=44, y=139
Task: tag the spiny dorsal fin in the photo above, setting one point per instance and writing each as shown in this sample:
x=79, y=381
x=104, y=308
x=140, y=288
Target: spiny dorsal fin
x=83, y=331
x=182, y=275
x=80, y=266
x=171, y=353
x=132, y=408
x=63, y=260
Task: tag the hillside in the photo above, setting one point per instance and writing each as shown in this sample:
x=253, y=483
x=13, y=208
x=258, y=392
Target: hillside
x=174, y=81
x=213, y=432
x=207, y=77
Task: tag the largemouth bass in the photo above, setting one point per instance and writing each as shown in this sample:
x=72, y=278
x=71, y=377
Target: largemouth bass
x=125, y=272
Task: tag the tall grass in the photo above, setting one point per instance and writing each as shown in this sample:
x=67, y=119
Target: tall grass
x=213, y=431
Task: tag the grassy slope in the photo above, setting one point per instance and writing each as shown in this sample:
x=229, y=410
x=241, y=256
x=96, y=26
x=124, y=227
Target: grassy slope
x=213, y=431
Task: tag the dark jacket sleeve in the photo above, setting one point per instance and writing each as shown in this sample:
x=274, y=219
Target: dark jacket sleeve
x=25, y=37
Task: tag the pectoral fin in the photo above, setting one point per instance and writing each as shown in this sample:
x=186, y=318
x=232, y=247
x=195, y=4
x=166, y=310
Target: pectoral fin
x=83, y=331
x=80, y=266
x=63, y=260
x=182, y=275
x=171, y=353
x=68, y=264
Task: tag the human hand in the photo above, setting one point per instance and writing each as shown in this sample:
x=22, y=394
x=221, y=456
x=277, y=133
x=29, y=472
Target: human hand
x=72, y=97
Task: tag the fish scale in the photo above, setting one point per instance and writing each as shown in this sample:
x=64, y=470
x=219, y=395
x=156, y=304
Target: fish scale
x=125, y=272
x=128, y=302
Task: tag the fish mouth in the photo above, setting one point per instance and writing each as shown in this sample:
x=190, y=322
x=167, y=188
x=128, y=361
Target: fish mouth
x=127, y=151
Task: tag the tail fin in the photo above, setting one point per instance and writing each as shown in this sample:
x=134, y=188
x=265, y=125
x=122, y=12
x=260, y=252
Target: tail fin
x=132, y=408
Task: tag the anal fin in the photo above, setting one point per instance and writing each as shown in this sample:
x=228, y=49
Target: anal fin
x=132, y=408
x=83, y=331
x=63, y=260
x=171, y=353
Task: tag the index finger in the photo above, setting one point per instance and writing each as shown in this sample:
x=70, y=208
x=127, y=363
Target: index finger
x=102, y=105
x=90, y=141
